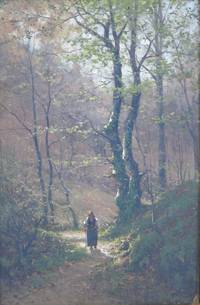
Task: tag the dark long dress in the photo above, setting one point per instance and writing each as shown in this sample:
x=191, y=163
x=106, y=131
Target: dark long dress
x=92, y=232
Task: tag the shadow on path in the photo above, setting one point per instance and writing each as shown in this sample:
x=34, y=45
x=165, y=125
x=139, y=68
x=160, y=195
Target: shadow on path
x=70, y=284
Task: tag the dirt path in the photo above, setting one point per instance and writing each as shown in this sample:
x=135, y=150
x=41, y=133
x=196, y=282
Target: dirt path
x=70, y=284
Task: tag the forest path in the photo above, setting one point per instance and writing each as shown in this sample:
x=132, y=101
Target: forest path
x=71, y=283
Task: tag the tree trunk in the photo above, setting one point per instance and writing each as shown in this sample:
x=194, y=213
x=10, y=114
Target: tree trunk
x=112, y=133
x=196, y=153
x=50, y=165
x=159, y=85
x=66, y=191
x=161, y=129
x=36, y=145
x=135, y=192
x=111, y=130
x=75, y=223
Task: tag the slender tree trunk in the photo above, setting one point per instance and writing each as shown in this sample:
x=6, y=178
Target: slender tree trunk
x=161, y=129
x=50, y=182
x=1, y=168
x=196, y=154
x=74, y=218
x=48, y=153
x=36, y=145
x=193, y=124
x=159, y=86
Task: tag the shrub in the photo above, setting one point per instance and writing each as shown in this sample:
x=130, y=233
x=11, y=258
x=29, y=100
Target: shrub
x=18, y=228
x=144, y=250
x=170, y=247
x=25, y=246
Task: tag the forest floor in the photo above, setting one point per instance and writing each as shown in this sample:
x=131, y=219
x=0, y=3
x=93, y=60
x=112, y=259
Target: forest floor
x=69, y=284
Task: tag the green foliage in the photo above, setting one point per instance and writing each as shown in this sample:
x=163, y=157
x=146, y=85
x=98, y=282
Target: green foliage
x=170, y=246
x=55, y=251
x=131, y=200
x=37, y=281
x=25, y=246
x=18, y=228
x=144, y=249
x=116, y=230
x=109, y=277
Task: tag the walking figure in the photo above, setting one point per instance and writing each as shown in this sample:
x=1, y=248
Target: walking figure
x=91, y=229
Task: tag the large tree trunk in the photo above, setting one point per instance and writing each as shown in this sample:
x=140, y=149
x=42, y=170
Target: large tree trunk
x=135, y=192
x=112, y=133
x=111, y=129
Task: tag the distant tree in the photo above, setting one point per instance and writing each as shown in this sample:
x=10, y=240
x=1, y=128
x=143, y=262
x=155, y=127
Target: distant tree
x=159, y=75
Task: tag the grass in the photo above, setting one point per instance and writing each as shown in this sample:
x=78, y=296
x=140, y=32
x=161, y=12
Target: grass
x=163, y=256
x=45, y=265
x=109, y=278
x=116, y=231
x=169, y=247
x=56, y=251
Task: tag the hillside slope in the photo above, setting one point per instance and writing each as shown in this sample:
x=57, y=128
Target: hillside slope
x=84, y=198
x=160, y=265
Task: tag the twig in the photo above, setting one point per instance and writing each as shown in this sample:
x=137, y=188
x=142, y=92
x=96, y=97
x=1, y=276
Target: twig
x=97, y=131
x=18, y=119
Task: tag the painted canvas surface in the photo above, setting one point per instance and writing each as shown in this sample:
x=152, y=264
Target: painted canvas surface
x=99, y=152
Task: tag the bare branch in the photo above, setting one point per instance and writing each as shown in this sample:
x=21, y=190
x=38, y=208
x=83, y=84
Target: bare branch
x=92, y=16
x=144, y=57
x=85, y=26
x=18, y=119
x=183, y=83
x=97, y=131
x=122, y=30
x=54, y=142
x=150, y=72
x=59, y=174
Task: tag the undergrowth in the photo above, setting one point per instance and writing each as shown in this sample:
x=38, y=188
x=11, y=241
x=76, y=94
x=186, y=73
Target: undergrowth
x=48, y=252
x=162, y=256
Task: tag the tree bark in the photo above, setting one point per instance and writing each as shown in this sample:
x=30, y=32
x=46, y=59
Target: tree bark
x=66, y=191
x=193, y=124
x=161, y=129
x=36, y=144
x=48, y=153
x=112, y=128
x=112, y=133
x=135, y=192
x=159, y=85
